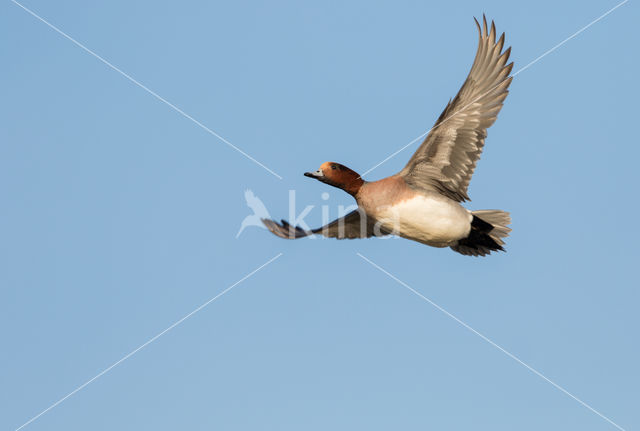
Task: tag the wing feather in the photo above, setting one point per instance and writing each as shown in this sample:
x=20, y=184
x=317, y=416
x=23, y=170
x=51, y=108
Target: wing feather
x=447, y=158
x=351, y=226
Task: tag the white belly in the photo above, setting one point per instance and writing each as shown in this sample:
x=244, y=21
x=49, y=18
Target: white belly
x=433, y=220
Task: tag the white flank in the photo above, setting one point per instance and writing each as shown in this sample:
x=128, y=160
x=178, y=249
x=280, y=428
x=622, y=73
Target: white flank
x=430, y=219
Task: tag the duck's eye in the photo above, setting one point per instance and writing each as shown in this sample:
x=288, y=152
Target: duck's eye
x=334, y=167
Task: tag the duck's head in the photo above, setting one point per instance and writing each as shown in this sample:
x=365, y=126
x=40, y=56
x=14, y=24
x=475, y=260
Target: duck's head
x=339, y=176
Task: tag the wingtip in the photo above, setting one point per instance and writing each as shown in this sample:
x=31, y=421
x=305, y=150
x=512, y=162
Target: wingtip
x=268, y=223
x=510, y=68
x=278, y=230
x=500, y=42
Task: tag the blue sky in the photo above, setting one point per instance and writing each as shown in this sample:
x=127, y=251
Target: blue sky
x=119, y=217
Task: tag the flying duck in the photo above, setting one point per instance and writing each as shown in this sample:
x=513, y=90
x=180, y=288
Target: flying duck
x=423, y=201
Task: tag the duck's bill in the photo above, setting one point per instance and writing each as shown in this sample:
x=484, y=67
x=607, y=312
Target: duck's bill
x=317, y=174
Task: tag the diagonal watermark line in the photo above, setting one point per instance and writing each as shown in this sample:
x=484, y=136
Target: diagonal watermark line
x=511, y=355
x=148, y=90
x=522, y=69
x=151, y=340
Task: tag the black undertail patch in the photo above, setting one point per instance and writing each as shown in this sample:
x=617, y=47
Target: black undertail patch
x=479, y=237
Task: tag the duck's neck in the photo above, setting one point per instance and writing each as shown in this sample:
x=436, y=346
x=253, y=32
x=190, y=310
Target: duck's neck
x=353, y=186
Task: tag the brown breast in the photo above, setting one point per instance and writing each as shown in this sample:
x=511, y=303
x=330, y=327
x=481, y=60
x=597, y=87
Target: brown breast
x=385, y=192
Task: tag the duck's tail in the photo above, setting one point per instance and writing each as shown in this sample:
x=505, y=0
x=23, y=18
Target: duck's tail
x=488, y=227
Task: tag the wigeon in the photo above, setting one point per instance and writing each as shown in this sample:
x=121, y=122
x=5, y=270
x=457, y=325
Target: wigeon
x=422, y=201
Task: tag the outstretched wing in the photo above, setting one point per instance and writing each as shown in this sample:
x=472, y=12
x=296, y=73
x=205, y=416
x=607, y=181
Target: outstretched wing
x=447, y=158
x=353, y=225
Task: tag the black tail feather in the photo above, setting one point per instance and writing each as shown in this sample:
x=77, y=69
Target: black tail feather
x=479, y=242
